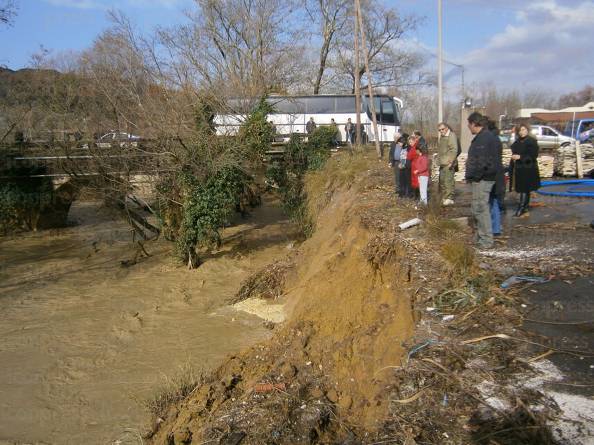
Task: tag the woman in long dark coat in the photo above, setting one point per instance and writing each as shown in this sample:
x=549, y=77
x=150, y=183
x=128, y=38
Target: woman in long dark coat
x=525, y=177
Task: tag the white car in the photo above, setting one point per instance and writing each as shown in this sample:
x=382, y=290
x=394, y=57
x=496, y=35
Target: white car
x=115, y=138
x=547, y=137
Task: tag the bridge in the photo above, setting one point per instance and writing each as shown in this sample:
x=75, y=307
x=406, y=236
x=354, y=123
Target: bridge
x=68, y=170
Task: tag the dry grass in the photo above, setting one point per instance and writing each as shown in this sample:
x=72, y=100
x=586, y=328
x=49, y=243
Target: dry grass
x=340, y=170
x=174, y=389
x=459, y=257
x=268, y=282
x=380, y=250
x=441, y=228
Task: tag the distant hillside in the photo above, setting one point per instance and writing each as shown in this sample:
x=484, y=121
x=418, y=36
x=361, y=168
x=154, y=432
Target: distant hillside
x=25, y=85
x=34, y=102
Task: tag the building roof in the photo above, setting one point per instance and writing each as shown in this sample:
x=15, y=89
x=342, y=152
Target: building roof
x=563, y=114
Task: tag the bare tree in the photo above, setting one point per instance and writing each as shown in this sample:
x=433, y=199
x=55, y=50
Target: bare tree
x=577, y=98
x=8, y=11
x=163, y=88
x=240, y=47
x=330, y=16
x=538, y=98
x=389, y=65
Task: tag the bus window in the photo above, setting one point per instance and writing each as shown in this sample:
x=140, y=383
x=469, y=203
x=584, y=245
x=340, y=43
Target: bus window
x=345, y=104
x=377, y=103
x=397, y=114
x=388, y=115
x=320, y=104
x=288, y=105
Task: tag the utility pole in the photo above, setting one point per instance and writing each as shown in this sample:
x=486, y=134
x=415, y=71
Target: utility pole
x=439, y=62
x=378, y=147
x=357, y=82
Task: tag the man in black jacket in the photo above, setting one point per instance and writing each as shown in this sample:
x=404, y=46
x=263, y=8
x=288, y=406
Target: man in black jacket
x=481, y=171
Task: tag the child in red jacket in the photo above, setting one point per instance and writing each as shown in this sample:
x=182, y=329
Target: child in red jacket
x=420, y=172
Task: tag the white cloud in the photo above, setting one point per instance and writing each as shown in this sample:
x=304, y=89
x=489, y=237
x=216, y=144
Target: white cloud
x=548, y=46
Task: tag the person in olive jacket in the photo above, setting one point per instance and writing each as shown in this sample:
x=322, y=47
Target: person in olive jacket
x=447, y=152
x=523, y=168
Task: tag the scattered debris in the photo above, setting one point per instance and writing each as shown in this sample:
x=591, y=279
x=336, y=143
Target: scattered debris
x=267, y=283
x=410, y=223
x=268, y=387
x=516, y=279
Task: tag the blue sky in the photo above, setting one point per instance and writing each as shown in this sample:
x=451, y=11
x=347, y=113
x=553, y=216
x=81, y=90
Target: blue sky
x=523, y=44
x=74, y=24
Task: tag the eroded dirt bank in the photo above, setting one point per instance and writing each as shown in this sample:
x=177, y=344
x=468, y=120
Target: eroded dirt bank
x=391, y=337
x=83, y=340
x=350, y=313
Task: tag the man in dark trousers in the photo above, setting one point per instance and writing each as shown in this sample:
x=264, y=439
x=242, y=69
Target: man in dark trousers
x=481, y=171
x=310, y=126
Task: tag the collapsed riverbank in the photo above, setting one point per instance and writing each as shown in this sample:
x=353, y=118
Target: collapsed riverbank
x=390, y=337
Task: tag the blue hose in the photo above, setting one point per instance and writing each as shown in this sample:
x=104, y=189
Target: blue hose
x=574, y=192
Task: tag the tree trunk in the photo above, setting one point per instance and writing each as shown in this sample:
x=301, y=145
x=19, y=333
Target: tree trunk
x=378, y=147
x=357, y=81
x=323, y=57
x=193, y=260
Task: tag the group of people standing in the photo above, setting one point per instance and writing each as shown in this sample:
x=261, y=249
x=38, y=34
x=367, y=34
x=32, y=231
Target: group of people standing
x=349, y=130
x=486, y=174
x=409, y=157
x=485, y=171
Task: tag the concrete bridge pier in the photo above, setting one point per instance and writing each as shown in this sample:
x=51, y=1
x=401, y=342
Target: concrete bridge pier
x=53, y=213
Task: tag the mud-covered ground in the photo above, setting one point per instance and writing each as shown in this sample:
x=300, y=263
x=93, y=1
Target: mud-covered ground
x=84, y=341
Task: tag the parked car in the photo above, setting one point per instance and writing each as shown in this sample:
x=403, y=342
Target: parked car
x=116, y=138
x=505, y=139
x=548, y=138
x=582, y=129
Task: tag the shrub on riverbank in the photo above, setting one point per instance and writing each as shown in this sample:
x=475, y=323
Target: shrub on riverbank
x=22, y=197
x=300, y=157
x=214, y=181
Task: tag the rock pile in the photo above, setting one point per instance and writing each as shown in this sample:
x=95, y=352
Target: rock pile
x=546, y=165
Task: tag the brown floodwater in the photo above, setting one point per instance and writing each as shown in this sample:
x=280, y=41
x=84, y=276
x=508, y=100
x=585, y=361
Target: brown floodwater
x=84, y=341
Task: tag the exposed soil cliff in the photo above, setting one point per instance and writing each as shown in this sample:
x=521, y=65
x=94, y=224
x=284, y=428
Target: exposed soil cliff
x=390, y=337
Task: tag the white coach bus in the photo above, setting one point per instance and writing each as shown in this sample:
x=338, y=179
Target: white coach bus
x=291, y=113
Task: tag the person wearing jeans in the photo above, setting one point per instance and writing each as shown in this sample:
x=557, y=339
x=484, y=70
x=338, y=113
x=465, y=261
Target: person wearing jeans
x=497, y=196
x=481, y=170
x=495, y=211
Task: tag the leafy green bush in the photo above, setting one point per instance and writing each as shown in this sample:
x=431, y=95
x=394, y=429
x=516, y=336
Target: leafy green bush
x=196, y=202
x=299, y=158
x=256, y=132
x=207, y=207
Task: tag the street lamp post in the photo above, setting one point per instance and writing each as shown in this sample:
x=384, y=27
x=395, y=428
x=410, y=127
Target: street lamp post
x=440, y=62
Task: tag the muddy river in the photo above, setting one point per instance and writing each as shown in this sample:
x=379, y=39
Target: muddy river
x=84, y=340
